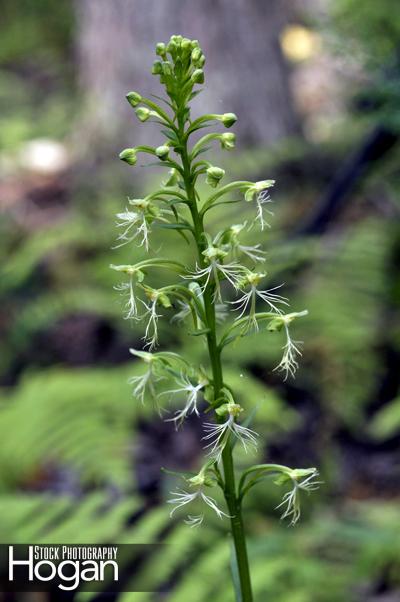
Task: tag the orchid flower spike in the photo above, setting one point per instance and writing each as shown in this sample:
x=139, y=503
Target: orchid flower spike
x=225, y=258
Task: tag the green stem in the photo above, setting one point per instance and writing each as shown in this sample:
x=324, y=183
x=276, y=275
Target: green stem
x=231, y=497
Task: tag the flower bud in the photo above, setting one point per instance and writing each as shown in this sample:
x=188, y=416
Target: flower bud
x=161, y=50
x=228, y=119
x=172, y=46
x=198, y=76
x=196, y=54
x=143, y=113
x=133, y=98
x=157, y=68
x=129, y=156
x=166, y=68
x=198, y=58
x=162, y=152
x=214, y=176
x=228, y=141
x=186, y=45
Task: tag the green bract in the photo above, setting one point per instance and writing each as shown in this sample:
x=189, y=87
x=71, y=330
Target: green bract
x=224, y=273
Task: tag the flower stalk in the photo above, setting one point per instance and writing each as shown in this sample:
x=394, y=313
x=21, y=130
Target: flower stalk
x=224, y=265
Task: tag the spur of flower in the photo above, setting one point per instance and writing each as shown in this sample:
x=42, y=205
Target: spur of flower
x=217, y=434
x=197, y=485
x=260, y=191
x=247, y=301
x=216, y=270
x=191, y=392
x=301, y=479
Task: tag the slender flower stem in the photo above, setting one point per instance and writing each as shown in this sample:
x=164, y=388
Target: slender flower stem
x=232, y=500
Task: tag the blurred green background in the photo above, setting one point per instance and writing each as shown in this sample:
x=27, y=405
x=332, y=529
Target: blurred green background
x=316, y=86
